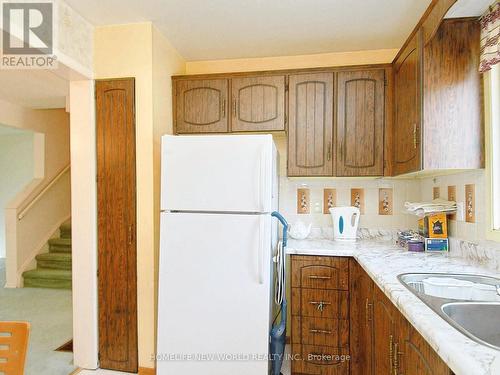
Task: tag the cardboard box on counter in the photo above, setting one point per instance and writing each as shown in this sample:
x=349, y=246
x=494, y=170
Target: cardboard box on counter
x=433, y=226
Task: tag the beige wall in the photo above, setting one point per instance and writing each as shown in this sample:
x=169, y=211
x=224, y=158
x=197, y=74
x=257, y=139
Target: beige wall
x=16, y=169
x=84, y=223
x=53, y=123
x=292, y=62
x=139, y=51
x=166, y=62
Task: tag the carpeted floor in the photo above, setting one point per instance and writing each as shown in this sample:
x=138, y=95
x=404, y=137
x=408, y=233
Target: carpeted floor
x=50, y=313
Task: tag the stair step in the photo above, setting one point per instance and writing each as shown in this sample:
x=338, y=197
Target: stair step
x=47, y=278
x=55, y=260
x=65, y=230
x=60, y=245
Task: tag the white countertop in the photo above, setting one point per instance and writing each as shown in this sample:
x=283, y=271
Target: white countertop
x=384, y=261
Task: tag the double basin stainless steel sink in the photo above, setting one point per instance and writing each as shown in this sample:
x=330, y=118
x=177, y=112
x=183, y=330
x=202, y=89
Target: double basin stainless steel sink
x=476, y=317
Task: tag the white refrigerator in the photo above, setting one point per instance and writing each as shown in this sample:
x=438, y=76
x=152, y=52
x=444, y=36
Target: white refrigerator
x=216, y=245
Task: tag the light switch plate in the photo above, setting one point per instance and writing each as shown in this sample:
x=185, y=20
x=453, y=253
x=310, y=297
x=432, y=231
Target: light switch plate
x=358, y=199
x=303, y=201
x=452, y=196
x=385, y=201
x=436, y=192
x=470, y=203
x=329, y=200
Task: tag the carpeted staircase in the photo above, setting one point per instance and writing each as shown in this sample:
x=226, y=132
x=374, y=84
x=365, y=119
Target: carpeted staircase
x=53, y=268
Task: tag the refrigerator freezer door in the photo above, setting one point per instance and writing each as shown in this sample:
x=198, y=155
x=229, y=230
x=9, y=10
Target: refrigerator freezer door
x=214, y=294
x=228, y=173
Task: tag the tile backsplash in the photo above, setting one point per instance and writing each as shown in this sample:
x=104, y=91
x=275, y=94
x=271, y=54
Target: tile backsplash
x=389, y=214
x=455, y=184
x=342, y=191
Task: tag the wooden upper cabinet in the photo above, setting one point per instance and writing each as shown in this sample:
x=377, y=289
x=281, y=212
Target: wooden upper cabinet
x=453, y=136
x=258, y=103
x=408, y=107
x=310, y=130
x=201, y=106
x=360, y=123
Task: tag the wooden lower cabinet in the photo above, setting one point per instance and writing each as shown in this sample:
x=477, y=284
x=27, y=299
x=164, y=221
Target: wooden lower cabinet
x=354, y=329
x=396, y=347
x=320, y=360
x=412, y=354
x=384, y=330
x=361, y=314
x=320, y=315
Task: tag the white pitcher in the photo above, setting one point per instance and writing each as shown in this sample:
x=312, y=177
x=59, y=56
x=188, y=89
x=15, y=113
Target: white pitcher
x=345, y=223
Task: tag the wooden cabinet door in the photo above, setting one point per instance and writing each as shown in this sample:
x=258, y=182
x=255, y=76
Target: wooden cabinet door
x=310, y=130
x=360, y=123
x=201, y=106
x=384, y=318
x=320, y=272
x=413, y=355
x=408, y=107
x=258, y=104
x=116, y=216
x=361, y=315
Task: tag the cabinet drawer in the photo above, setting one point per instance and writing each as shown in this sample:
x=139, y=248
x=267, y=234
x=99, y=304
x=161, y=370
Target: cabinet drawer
x=320, y=272
x=320, y=303
x=320, y=331
x=320, y=360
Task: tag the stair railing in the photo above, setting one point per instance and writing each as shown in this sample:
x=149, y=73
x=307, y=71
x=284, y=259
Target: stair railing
x=42, y=192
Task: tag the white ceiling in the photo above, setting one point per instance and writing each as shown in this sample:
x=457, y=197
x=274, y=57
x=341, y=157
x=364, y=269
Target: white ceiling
x=33, y=88
x=220, y=29
x=468, y=8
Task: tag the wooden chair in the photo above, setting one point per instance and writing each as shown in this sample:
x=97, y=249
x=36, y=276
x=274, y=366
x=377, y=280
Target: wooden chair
x=13, y=346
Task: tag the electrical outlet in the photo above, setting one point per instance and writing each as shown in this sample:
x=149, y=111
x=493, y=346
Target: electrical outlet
x=470, y=203
x=452, y=196
x=436, y=192
x=358, y=199
x=385, y=204
x=303, y=201
x=329, y=200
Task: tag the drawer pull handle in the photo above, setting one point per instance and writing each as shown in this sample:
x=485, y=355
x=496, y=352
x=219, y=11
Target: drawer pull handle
x=320, y=331
x=314, y=277
x=320, y=305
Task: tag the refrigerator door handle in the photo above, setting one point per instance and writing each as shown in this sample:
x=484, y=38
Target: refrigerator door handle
x=260, y=260
x=262, y=177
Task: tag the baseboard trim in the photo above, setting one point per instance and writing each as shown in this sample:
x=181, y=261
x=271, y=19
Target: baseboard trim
x=147, y=371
